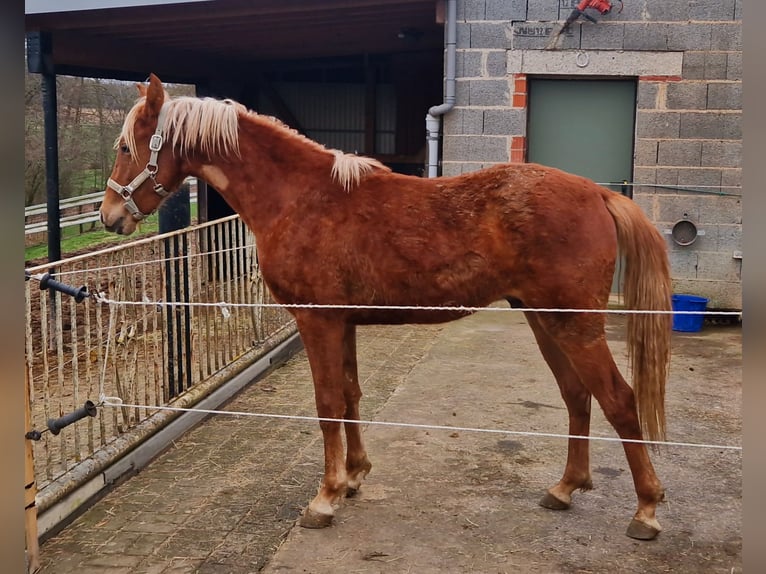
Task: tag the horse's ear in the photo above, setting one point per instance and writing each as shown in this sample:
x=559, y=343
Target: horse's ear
x=155, y=96
x=141, y=90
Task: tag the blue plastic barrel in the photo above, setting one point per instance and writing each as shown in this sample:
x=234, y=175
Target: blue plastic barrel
x=689, y=323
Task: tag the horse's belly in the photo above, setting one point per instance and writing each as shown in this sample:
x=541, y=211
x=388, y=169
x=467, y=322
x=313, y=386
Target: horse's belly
x=398, y=316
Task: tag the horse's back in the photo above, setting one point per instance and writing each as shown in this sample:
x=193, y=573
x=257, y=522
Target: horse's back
x=515, y=230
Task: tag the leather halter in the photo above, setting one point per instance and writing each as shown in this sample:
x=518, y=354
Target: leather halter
x=149, y=172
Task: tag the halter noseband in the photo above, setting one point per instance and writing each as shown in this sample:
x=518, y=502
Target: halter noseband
x=150, y=171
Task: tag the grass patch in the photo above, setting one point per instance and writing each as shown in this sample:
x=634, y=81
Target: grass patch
x=87, y=181
x=73, y=241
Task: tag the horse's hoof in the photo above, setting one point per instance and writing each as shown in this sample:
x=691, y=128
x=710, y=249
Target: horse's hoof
x=351, y=492
x=311, y=519
x=551, y=502
x=641, y=530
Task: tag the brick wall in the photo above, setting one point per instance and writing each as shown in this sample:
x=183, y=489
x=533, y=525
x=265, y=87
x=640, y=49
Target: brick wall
x=687, y=57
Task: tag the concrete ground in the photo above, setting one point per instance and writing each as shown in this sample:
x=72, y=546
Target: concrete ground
x=226, y=496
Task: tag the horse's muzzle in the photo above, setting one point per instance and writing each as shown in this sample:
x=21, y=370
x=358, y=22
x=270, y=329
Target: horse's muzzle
x=114, y=227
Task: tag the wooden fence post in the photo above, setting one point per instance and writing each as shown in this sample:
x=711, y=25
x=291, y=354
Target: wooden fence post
x=30, y=487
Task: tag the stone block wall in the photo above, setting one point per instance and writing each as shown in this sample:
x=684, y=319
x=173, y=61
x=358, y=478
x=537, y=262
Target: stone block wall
x=687, y=58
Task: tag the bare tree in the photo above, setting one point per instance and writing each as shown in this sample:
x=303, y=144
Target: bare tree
x=34, y=147
x=90, y=114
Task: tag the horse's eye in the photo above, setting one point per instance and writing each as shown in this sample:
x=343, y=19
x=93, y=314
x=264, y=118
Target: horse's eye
x=124, y=149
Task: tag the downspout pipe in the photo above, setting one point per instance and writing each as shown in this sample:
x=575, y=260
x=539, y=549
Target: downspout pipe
x=433, y=117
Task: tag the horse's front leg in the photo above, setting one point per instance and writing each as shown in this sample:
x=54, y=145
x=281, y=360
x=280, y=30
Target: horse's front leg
x=323, y=340
x=357, y=463
x=578, y=402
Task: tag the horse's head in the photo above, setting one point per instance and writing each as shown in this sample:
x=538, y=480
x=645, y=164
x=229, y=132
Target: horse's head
x=145, y=169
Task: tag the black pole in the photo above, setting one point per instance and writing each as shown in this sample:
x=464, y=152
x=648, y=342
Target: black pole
x=175, y=214
x=50, y=121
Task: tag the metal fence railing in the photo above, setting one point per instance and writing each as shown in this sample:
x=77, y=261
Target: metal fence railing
x=151, y=355
x=81, y=210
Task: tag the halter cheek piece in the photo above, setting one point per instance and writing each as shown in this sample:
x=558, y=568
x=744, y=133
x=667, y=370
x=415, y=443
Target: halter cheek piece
x=149, y=172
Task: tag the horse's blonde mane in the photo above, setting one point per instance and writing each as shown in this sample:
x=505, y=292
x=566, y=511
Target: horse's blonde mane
x=211, y=127
x=348, y=170
x=202, y=125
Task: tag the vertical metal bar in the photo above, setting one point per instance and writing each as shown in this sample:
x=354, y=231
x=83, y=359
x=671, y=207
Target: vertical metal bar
x=100, y=346
x=217, y=274
x=187, y=310
x=177, y=315
x=211, y=313
x=89, y=374
x=131, y=343
x=195, y=294
x=247, y=287
x=255, y=289
x=62, y=406
x=145, y=337
x=221, y=293
x=193, y=260
x=240, y=260
x=229, y=321
x=118, y=371
x=239, y=287
x=157, y=336
x=202, y=272
x=75, y=374
x=46, y=381
x=114, y=312
x=170, y=362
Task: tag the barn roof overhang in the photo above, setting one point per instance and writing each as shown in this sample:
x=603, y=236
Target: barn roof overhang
x=216, y=43
x=184, y=41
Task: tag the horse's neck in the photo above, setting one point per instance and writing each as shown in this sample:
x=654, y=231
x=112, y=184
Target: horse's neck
x=272, y=168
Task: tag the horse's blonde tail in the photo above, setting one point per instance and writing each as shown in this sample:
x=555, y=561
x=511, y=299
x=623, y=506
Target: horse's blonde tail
x=647, y=287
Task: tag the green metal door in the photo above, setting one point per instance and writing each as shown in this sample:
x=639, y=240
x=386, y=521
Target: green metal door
x=584, y=127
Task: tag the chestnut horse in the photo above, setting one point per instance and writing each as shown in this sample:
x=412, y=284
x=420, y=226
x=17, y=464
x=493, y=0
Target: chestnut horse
x=339, y=229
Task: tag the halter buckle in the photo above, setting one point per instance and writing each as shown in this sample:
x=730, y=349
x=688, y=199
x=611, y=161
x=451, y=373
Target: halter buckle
x=155, y=142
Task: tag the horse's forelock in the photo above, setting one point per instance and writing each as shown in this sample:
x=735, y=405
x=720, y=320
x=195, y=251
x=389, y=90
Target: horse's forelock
x=128, y=134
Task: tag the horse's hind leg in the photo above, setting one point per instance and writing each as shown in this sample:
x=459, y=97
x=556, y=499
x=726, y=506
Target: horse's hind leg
x=357, y=463
x=578, y=400
x=580, y=339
